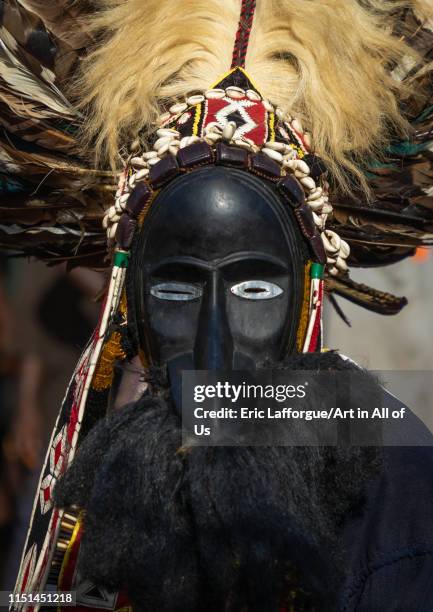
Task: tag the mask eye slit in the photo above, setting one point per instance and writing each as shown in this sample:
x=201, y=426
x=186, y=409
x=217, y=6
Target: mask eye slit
x=256, y=290
x=176, y=292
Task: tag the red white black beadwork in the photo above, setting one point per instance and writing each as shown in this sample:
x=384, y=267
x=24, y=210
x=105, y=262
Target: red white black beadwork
x=234, y=112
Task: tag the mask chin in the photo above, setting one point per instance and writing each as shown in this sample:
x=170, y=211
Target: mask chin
x=241, y=361
x=185, y=361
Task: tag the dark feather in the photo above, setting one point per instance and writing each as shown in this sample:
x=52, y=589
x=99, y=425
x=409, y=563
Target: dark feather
x=399, y=216
x=48, y=191
x=362, y=295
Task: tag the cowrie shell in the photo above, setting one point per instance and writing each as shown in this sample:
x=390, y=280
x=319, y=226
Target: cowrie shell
x=183, y=118
x=273, y=154
x=308, y=140
x=297, y=126
x=213, y=127
x=315, y=194
x=162, y=142
x=112, y=231
x=153, y=161
x=239, y=142
x=303, y=167
x=331, y=242
x=119, y=208
x=236, y=93
x=344, y=249
x=164, y=117
x=112, y=213
x=341, y=264
x=138, y=162
x=124, y=198
x=150, y=155
x=105, y=221
x=251, y=143
x=141, y=174
x=289, y=163
x=268, y=106
x=174, y=147
x=308, y=182
x=212, y=137
x=327, y=209
x=277, y=146
x=316, y=205
x=178, y=108
x=229, y=130
x=164, y=149
x=279, y=113
x=163, y=132
x=188, y=140
x=318, y=221
x=291, y=154
x=215, y=94
x=252, y=95
x=196, y=99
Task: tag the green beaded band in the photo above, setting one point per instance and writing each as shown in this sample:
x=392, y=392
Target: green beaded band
x=121, y=259
x=317, y=270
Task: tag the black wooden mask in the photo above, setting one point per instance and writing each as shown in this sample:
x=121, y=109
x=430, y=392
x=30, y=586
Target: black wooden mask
x=218, y=274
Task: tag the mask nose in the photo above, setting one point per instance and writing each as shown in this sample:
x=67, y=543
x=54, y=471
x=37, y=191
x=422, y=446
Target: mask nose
x=213, y=348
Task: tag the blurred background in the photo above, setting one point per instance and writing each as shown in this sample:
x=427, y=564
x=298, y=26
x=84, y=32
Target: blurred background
x=398, y=347
x=46, y=317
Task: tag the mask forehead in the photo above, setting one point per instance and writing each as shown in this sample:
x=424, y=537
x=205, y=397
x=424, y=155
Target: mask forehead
x=213, y=213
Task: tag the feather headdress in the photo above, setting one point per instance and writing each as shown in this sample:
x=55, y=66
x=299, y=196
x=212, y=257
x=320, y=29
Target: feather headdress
x=356, y=72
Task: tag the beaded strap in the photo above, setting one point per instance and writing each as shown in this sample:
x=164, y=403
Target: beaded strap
x=243, y=33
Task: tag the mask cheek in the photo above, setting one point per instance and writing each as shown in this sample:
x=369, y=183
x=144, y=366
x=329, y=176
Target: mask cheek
x=175, y=367
x=171, y=327
x=259, y=327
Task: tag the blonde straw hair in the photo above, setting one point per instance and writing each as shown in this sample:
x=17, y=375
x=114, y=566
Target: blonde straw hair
x=326, y=61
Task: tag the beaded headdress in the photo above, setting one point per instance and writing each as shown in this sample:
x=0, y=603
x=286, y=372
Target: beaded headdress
x=232, y=125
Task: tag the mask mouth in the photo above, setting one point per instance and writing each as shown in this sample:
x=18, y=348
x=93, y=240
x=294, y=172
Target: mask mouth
x=175, y=366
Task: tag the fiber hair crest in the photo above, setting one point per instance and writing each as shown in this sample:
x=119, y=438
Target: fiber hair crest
x=326, y=61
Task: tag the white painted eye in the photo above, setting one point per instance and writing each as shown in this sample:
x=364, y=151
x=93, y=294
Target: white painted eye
x=256, y=290
x=176, y=292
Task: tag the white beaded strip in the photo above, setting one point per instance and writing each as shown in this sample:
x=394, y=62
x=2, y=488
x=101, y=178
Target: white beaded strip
x=170, y=141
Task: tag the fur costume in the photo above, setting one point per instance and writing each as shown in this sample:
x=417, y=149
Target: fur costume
x=186, y=525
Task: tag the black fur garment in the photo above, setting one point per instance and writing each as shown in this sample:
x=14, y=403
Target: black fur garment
x=216, y=529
